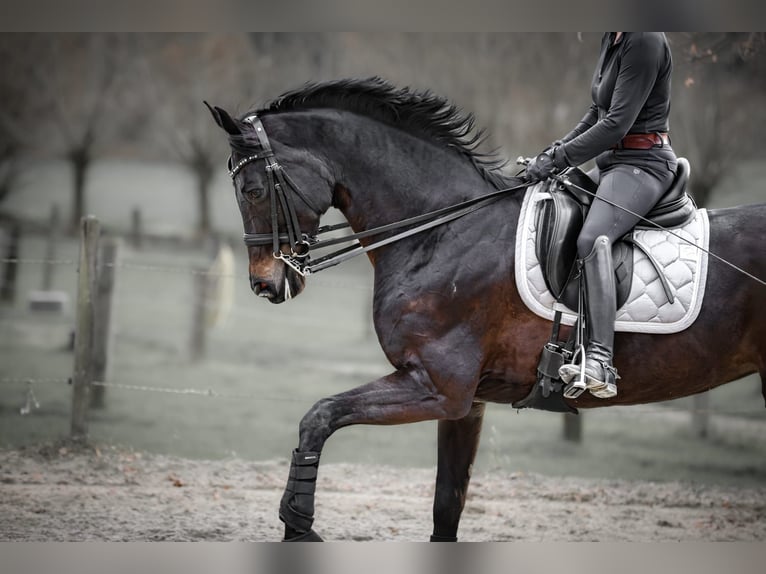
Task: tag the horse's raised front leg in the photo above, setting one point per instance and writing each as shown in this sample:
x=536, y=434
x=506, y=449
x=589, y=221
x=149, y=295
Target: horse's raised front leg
x=405, y=396
x=458, y=443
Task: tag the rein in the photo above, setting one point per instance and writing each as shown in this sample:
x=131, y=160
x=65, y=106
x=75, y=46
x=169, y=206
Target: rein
x=427, y=221
x=301, y=244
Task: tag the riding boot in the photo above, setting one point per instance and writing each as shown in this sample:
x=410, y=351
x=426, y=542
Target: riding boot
x=600, y=309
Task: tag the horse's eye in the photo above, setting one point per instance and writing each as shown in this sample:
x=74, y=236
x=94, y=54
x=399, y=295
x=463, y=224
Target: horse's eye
x=253, y=192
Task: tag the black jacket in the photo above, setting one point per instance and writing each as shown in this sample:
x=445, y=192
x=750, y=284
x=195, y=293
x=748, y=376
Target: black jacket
x=631, y=94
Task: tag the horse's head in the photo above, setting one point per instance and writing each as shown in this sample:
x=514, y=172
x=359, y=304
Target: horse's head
x=282, y=190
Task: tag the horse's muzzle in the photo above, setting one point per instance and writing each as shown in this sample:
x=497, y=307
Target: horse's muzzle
x=263, y=288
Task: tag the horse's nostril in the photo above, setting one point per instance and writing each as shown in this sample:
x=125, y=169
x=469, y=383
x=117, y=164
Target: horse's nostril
x=262, y=288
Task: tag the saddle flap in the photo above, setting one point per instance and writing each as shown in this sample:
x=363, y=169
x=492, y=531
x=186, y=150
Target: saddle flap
x=559, y=221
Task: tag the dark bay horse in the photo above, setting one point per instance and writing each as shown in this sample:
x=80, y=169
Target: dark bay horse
x=446, y=309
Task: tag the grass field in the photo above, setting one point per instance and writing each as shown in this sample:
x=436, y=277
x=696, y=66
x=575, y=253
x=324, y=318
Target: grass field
x=270, y=363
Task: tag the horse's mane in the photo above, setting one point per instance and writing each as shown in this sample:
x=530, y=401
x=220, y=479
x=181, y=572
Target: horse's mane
x=421, y=113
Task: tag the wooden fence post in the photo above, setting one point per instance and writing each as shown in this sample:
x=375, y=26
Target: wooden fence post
x=85, y=323
x=198, y=341
x=51, y=244
x=573, y=427
x=701, y=415
x=103, y=332
x=137, y=228
x=8, y=287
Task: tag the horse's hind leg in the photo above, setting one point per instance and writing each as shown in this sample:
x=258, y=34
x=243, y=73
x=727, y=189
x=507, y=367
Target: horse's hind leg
x=458, y=443
x=403, y=397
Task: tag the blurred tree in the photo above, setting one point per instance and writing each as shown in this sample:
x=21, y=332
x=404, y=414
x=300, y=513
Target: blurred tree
x=174, y=73
x=19, y=106
x=82, y=95
x=719, y=83
x=61, y=88
x=10, y=153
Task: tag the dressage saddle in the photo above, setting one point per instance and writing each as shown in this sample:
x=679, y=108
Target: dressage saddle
x=560, y=219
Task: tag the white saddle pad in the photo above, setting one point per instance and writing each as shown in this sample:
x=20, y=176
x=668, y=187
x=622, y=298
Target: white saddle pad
x=647, y=309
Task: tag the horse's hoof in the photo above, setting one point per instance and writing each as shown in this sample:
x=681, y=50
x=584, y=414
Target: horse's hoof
x=435, y=538
x=309, y=536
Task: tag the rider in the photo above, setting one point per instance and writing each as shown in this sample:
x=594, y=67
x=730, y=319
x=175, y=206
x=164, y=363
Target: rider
x=626, y=130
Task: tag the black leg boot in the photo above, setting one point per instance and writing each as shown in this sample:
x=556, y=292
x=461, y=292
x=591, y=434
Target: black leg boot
x=597, y=374
x=296, y=509
x=600, y=309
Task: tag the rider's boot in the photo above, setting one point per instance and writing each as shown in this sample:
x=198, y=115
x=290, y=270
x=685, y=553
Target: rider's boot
x=600, y=309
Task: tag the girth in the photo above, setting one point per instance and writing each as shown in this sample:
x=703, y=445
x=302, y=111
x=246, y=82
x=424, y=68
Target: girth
x=561, y=218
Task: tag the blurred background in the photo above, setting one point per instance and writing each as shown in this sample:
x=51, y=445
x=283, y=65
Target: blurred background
x=191, y=363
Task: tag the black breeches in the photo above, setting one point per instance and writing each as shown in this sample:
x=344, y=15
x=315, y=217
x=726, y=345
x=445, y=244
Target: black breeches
x=629, y=187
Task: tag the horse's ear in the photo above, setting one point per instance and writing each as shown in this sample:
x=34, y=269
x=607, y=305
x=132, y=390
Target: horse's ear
x=223, y=119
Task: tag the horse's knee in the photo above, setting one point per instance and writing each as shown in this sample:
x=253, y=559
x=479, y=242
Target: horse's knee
x=456, y=407
x=316, y=425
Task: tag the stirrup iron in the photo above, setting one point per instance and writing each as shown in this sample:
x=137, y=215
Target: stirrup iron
x=574, y=375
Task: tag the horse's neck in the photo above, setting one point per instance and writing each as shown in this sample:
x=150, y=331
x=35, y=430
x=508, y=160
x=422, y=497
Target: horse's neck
x=385, y=174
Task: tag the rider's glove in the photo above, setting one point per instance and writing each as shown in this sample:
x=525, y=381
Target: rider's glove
x=546, y=164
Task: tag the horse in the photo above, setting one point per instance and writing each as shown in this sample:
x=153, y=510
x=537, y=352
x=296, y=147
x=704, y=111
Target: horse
x=447, y=313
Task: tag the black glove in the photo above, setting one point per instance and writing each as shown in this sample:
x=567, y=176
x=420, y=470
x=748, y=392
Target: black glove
x=545, y=164
x=540, y=168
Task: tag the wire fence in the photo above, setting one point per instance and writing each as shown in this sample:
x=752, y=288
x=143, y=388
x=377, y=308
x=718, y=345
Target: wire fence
x=244, y=312
x=216, y=394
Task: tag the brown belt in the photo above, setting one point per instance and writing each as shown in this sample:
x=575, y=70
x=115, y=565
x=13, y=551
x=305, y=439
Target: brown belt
x=643, y=141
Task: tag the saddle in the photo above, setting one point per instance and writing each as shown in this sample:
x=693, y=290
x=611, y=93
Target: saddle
x=560, y=220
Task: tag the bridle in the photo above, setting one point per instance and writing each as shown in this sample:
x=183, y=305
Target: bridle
x=279, y=183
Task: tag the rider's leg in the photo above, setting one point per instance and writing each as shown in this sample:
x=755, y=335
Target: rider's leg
x=600, y=307
x=638, y=191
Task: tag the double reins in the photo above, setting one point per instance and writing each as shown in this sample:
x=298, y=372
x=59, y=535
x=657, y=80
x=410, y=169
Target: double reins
x=421, y=222
x=301, y=244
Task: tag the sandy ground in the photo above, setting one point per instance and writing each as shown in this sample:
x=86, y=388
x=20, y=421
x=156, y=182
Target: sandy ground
x=66, y=493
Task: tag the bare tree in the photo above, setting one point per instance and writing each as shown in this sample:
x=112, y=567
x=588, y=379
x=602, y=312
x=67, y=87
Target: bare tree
x=719, y=86
x=18, y=110
x=63, y=100
x=174, y=74
x=10, y=152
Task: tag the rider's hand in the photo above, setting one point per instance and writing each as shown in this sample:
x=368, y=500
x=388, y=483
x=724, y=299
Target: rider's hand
x=545, y=164
x=540, y=168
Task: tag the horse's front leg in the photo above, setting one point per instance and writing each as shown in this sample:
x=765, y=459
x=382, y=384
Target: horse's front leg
x=405, y=396
x=458, y=443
